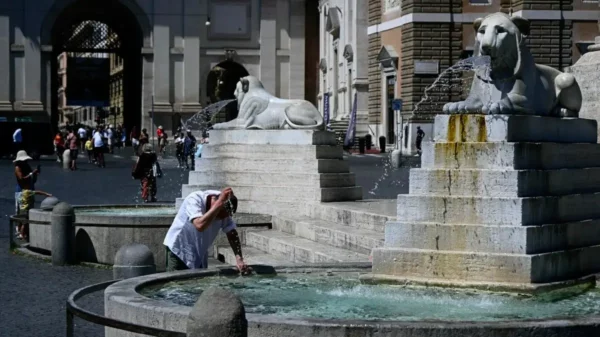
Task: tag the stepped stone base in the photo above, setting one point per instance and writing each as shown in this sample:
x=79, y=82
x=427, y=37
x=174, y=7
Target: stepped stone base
x=506, y=202
x=278, y=168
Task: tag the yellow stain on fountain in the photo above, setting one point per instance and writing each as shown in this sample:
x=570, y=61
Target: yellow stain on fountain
x=467, y=128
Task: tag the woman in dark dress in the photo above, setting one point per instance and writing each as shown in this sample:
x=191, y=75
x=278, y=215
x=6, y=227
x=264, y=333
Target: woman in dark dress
x=147, y=170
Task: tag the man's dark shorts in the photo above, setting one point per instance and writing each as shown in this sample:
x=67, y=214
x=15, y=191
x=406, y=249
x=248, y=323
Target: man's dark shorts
x=174, y=263
x=74, y=153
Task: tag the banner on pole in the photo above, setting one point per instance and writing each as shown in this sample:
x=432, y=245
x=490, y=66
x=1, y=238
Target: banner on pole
x=326, y=110
x=351, y=132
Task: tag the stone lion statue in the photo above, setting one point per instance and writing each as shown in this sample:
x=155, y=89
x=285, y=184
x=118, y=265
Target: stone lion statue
x=260, y=110
x=515, y=84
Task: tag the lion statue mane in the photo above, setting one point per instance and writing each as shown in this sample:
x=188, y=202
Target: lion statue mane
x=258, y=109
x=515, y=84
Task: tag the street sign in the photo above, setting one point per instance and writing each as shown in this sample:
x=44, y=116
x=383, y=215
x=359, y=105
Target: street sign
x=397, y=104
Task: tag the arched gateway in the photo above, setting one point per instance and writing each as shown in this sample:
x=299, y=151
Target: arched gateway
x=97, y=37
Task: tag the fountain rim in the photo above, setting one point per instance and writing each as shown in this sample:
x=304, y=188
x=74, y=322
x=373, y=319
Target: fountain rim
x=126, y=293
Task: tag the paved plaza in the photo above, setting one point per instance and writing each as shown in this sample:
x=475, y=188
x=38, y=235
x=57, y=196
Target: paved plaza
x=33, y=293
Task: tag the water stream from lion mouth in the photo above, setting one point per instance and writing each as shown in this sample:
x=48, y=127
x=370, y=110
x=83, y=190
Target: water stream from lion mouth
x=342, y=296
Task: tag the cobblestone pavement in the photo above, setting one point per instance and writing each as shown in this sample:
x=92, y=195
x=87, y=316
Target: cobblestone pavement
x=33, y=293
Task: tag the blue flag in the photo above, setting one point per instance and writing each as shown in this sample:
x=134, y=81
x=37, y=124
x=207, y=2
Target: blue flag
x=351, y=132
x=326, y=110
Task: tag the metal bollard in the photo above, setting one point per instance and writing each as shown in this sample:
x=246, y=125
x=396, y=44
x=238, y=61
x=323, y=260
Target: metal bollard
x=217, y=312
x=133, y=260
x=63, y=234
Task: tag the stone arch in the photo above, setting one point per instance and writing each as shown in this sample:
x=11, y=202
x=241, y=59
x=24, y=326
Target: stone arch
x=133, y=29
x=220, y=85
x=59, y=6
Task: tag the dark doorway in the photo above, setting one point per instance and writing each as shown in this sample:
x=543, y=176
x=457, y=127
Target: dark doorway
x=391, y=114
x=102, y=29
x=220, y=85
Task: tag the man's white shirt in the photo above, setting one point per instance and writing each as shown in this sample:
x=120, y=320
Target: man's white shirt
x=185, y=241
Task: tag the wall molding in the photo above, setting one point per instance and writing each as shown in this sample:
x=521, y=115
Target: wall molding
x=470, y=17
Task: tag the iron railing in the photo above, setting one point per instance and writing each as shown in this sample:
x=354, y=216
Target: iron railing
x=73, y=310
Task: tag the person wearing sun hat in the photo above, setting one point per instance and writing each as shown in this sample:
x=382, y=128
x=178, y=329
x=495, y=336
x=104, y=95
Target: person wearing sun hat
x=25, y=189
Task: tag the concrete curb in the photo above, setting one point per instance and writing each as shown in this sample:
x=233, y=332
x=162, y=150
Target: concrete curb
x=26, y=252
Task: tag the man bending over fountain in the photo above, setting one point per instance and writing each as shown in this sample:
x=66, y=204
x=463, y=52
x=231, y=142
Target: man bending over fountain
x=196, y=226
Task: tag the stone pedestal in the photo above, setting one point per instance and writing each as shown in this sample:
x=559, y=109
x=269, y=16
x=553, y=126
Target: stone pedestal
x=587, y=72
x=501, y=202
x=274, y=170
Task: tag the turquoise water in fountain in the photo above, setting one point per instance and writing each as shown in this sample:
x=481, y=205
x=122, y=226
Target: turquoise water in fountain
x=344, y=297
x=129, y=211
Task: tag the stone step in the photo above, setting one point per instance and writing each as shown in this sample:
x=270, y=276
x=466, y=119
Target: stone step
x=298, y=249
x=498, y=211
x=251, y=256
x=520, y=156
x=283, y=193
x=267, y=166
x=503, y=183
x=279, y=137
x=364, y=214
x=493, y=239
x=334, y=234
x=513, y=128
x=272, y=179
x=474, y=267
x=268, y=151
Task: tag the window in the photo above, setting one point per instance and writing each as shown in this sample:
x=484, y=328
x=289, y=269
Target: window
x=480, y=2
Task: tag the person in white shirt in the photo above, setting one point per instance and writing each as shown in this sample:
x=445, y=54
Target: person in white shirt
x=82, y=132
x=196, y=226
x=99, y=148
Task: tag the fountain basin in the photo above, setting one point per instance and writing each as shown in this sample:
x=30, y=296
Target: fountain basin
x=329, y=300
x=102, y=230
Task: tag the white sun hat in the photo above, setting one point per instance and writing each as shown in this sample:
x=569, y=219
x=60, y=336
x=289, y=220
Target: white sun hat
x=22, y=156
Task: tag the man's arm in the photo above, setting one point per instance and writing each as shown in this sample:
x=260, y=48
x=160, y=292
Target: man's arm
x=203, y=222
x=234, y=242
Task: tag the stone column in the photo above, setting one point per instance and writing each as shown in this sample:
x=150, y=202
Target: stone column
x=268, y=46
x=32, y=100
x=17, y=54
x=297, y=66
x=176, y=53
x=63, y=234
x=147, y=87
x=360, y=65
x=193, y=23
x=5, y=103
x=162, y=48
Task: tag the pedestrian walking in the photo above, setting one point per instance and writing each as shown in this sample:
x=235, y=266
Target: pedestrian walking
x=419, y=140
x=189, y=145
x=99, y=148
x=147, y=169
x=89, y=148
x=59, y=147
x=73, y=149
x=135, y=139
x=25, y=190
x=82, y=133
x=179, y=149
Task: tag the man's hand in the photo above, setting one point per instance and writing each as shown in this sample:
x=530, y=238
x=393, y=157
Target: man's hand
x=223, y=197
x=242, y=266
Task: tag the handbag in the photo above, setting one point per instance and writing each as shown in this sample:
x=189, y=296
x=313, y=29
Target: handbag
x=156, y=170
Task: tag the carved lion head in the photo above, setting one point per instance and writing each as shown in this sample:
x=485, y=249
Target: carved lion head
x=245, y=85
x=500, y=36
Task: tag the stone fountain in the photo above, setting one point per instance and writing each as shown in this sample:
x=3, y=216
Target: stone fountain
x=505, y=200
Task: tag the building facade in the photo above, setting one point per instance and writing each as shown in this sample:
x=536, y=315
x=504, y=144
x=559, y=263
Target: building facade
x=168, y=49
x=412, y=41
x=343, y=62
